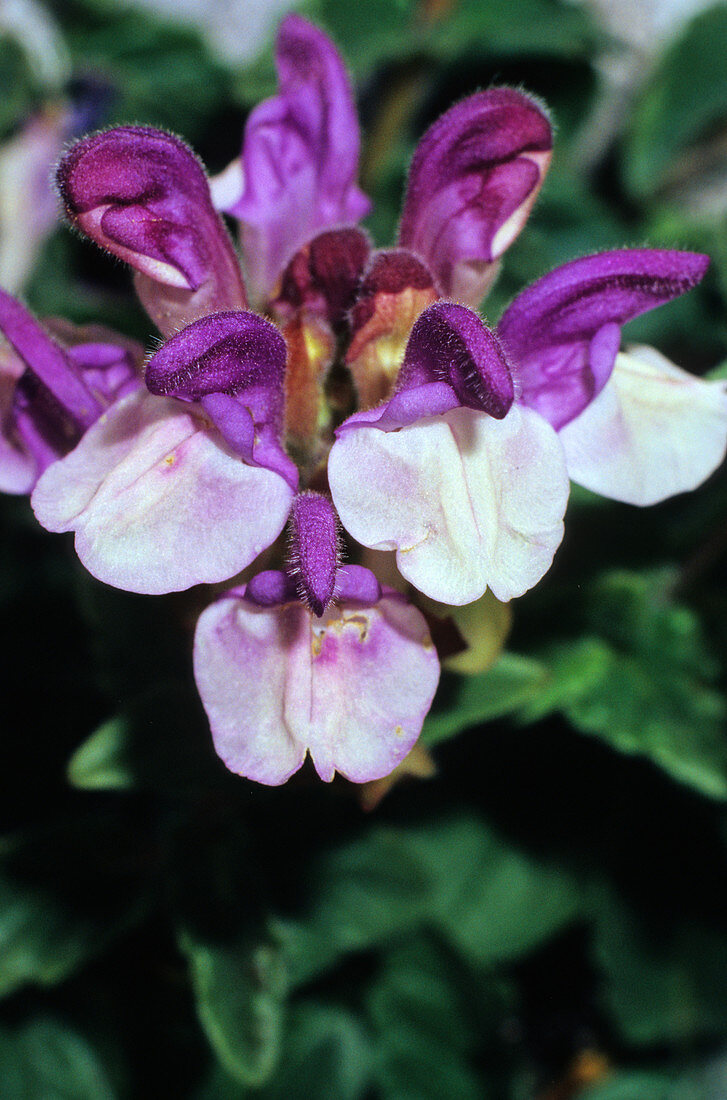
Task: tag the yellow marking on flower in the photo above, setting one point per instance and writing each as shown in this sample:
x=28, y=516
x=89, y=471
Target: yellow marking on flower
x=170, y=459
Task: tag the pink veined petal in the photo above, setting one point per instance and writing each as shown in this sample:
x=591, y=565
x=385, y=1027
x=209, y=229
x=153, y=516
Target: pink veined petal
x=375, y=672
x=652, y=432
x=247, y=663
x=351, y=688
x=468, y=502
x=158, y=501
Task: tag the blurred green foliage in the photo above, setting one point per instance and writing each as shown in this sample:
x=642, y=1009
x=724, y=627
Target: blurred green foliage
x=559, y=888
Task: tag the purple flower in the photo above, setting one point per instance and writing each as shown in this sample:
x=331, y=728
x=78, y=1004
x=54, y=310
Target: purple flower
x=299, y=158
x=349, y=682
x=143, y=195
x=633, y=426
x=51, y=394
x=453, y=444
x=469, y=488
x=474, y=178
x=185, y=481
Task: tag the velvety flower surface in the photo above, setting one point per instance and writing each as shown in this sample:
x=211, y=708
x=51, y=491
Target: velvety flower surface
x=165, y=492
x=350, y=688
x=473, y=180
x=468, y=488
x=563, y=333
x=299, y=157
x=142, y=195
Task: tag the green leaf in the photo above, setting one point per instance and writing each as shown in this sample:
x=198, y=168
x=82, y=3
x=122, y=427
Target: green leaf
x=425, y=1036
x=326, y=1052
x=159, y=741
x=503, y=689
x=664, y=980
x=46, y=1059
x=240, y=991
x=498, y=902
x=643, y=686
x=65, y=892
x=685, y=94
x=380, y=31
x=488, y=898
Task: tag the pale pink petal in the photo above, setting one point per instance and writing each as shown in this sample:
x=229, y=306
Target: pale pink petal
x=467, y=501
x=653, y=431
x=352, y=688
x=158, y=501
x=251, y=665
x=375, y=671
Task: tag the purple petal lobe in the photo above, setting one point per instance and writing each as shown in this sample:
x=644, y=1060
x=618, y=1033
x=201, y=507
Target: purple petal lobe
x=314, y=549
x=472, y=182
x=142, y=195
x=271, y=589
x=449, y=344
x=351, y=688
x=300, y=157
x=228, y=353
x=233, y=363
x=562, y=333
x=357, y=584
x=158, y=502
x=48, y=362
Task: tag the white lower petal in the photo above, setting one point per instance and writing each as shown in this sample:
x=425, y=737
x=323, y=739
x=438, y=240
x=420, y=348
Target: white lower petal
x=249, y=673
x=652, y=432
x=352, y=688
x=467, y=501
x=158, y=501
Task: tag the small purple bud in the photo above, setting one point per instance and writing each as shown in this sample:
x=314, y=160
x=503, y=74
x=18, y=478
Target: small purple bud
x=450, y=344
x=269, y=589
x=314, y=550
x=323, y=277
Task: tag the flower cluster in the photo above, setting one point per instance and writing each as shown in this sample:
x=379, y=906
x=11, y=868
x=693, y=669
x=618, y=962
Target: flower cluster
x=349, y=393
